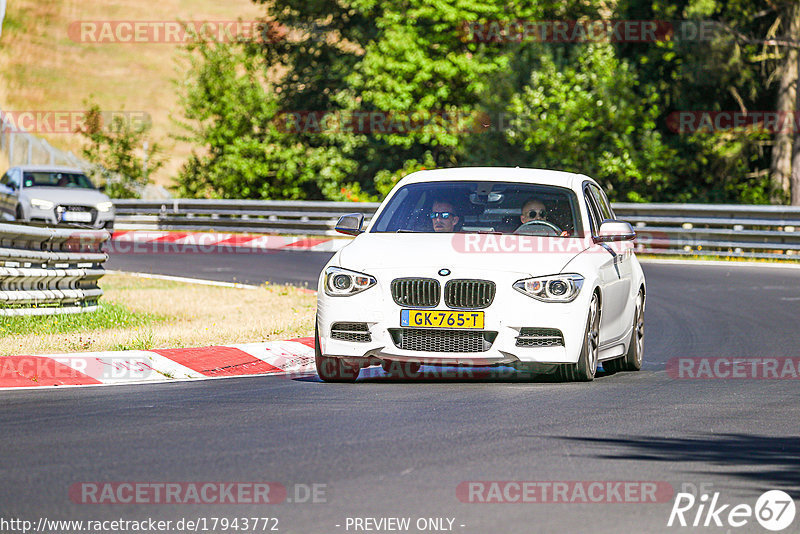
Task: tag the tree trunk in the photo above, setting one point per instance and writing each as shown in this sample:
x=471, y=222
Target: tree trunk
x=781, y=167
x=794, y=54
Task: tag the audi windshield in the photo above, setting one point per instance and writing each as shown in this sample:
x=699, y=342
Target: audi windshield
x=57, y=179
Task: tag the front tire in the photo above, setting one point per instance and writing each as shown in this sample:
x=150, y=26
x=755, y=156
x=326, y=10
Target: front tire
x=585, y=369
x=332, y=369
x=632, y=361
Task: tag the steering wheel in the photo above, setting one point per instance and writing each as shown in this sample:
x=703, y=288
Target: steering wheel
x=536, y=228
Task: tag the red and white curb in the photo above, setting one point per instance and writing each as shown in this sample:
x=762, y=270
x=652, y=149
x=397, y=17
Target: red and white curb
x=140, y=241
x=292, y=357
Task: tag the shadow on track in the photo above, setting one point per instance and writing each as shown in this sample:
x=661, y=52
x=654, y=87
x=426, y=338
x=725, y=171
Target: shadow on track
x=450, y=375
x=769, y=460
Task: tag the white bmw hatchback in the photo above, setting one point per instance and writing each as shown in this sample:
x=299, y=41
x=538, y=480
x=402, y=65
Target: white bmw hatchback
x=479, y=267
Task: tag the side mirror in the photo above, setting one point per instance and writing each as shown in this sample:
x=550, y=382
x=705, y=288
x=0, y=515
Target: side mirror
x=350, y=224
x=102, y=188
x=615, y=231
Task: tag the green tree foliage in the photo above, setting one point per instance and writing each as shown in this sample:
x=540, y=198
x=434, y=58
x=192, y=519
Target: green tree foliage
x=705, y=67
x=581, y=112
x=231, y=114
x=406, y=62
x=259, y=113
x=112, y=148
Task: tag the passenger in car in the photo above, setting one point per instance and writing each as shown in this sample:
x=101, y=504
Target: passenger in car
x=535, y=210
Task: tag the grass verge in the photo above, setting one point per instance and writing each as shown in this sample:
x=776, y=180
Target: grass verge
x=45, y=68
x=109, y=316
x=141, y=314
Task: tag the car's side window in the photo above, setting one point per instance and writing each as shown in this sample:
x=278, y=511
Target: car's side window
x=607, y=203
x=4, y=179
x=601, y=202
x=594, y=217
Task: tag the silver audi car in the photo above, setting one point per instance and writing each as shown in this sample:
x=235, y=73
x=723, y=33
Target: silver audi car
x=53, y=195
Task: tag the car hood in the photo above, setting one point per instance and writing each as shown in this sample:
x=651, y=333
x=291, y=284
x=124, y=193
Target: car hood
x=66, y=195
x=528, y=255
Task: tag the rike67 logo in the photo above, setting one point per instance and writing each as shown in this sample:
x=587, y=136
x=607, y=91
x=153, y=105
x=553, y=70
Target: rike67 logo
x=774, y=510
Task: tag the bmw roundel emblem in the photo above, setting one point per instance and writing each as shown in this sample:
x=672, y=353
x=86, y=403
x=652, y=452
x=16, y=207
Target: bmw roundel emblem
x=444, y=272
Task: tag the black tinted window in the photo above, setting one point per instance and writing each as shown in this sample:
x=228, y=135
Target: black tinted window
x=477, y=207
x=57, y=179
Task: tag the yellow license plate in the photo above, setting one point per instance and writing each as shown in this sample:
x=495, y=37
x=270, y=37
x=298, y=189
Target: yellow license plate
x=441, y=319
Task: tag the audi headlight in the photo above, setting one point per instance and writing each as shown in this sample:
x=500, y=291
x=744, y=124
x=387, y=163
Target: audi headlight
x=105, y=206
x=554, y=288
x=42, y=204
x=342, y=283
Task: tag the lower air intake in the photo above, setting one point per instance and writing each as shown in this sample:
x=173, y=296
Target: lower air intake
x=357, y=332
x=433, y=340
x=540, y=337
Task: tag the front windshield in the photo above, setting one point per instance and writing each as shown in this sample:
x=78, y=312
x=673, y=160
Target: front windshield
x=472, y=206
x=56, y=179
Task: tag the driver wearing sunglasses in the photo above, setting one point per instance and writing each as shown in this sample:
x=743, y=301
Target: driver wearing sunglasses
x=443, y=217
x=535, y=210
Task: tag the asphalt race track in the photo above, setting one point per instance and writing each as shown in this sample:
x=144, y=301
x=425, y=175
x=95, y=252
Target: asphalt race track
x=383, y=448
x=276, y=266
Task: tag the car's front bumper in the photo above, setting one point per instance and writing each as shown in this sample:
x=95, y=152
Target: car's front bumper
x=509, y=312
x=99, y=219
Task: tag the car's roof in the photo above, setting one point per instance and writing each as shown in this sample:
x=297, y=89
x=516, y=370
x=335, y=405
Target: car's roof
x=48, y=168
x=498, y=174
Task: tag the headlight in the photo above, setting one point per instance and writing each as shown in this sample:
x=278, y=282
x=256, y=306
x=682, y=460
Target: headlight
x=42, y=204
x=342, y=283
x=105, y=206
x=554, y=288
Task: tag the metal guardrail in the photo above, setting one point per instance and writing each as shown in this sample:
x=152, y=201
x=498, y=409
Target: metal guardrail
x=724, y=230
x=47, y=271
x=684, y=229
x=257, y=216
